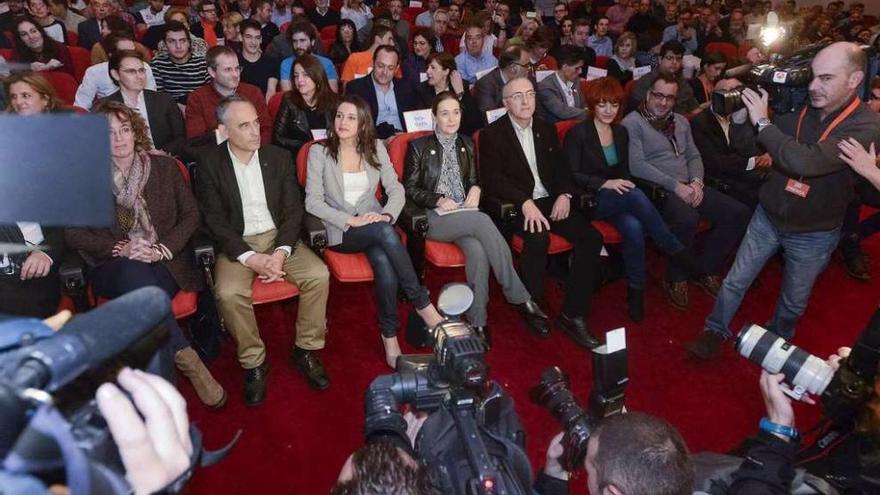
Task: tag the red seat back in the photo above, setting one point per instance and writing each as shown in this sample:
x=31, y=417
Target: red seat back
x=628, y=89
x=302, y=162
x=397, y=149
x=602, y=62
x=328, y=33
x=275, y=104
x=72, y=38
x=728, y=49
x=65, y=85
x=562, y=128
x=81, y=59
x=6, y=53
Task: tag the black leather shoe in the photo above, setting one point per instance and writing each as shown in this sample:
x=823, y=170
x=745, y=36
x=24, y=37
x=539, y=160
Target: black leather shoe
x=310, y=366
x=857, y=268
x=483, y=333
x=707, y=346
x=535, y=318
x=255, y=384
x=576, y=328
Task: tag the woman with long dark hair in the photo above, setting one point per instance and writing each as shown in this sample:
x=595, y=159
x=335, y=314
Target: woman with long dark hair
x=343, y=175
x=309, y=106
x=33, y=46
x=346, y=42
x=442, y=77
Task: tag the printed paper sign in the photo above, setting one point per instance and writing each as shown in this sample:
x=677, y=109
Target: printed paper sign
x=493, y=115
x=415, y=4
x=319, y=134
x=638, y=72
x=484, y=72
x=615, y=340
x=595, y=73
x=543, y=74
x=418, y=120
x=423, y=76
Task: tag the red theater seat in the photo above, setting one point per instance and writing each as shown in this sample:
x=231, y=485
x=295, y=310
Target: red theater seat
x=275, y=104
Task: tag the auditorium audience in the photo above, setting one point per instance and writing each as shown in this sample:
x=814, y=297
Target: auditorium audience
x=322, y=15
x=155, y=36
x=415, y=62
x=43, y=16
x=539, y=46
x=512, y=64
x=671, y=62
x=161, y=115
x=179, y=71
x=618, y=15
x=91, y=30
x=63, y=13
x=683, y=32
x=251, y=205
x=257, y=67
x=621, y=64
x=147, y=245
x=309, y=106
x=712, y=67
x=356, y=12
x=358, y=64
x=208, y=26
x=599, y=41
x=559, y=95
x=231, y=22
x=443, y=76
x=151, y=15
x=29, y=93
x=662, y=150
x=520, y=162
x=387, y=98
x=302, y=41
x=342, y=178
x=115, y=25
x=346, y=42
x=97, y=82
x=473, y=60
x=262, y=13
x=34, y=47
x=579, y=37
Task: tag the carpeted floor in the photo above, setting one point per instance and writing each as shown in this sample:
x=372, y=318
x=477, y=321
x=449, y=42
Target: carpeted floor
x=297, y=441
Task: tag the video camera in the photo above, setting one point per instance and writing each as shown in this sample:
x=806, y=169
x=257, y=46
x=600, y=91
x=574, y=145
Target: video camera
x=606, y=399
x=472, y=442
x=843, y=391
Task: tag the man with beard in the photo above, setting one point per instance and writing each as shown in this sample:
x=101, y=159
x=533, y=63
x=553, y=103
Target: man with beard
x=302, y=40
x=802, y=205
x=671, y=62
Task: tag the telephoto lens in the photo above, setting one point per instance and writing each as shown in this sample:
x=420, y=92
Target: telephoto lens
x=803, y=371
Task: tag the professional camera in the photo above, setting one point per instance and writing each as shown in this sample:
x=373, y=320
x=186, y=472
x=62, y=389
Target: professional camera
x=472, y=441
x=785, y=79
x=607, y=397
x=842, y=391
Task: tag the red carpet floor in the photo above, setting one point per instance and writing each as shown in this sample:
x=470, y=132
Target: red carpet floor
x=297, y=441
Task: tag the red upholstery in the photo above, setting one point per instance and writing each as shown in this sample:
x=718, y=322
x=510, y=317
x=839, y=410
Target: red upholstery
x=328, y=33
x=77, y=109
x=276, y=291
x=410, y=14
x=81, y=59
x=628, y=89
x=728, y=49
x=6, y=53
x=610, y=235
x=397, y=149
x=562, y=128
x=275, y=104
x=283, y=27
x=602, y=61
x=65, y=85
x=443, y=254
x=558, y=244
x=184, y=304
x=583, y=87
x=72, y=38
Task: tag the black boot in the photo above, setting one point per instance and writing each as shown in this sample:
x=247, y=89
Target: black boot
x=635, y=301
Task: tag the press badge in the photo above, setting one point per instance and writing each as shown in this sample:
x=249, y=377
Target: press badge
x=797, y=188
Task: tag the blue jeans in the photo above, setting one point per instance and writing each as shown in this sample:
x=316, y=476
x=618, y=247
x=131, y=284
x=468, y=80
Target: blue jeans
x=806, y=256
x=391, y=265
x=633, y=214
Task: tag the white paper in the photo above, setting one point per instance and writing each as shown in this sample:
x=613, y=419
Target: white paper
x=493, y=115
x=543, y=74
x=603, y=252
x=442, y=212
x=639, y=72
x=754, y=32
x=595, y=73
x=423, y=76
x=418, y=120
x=415, y=4
x=319, y=134
x=615, y=340
x=479, y=75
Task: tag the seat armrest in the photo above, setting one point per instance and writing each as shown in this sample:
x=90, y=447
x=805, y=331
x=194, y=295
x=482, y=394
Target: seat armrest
x=500, y=211
x=585, y=201
x=314, y=233
x=654, y=191
x=71, y=271
x=717, y=184
x=203, y=250
x=413, y=219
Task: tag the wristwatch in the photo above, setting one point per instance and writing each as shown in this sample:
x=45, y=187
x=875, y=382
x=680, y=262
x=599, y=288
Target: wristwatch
x=762, y=123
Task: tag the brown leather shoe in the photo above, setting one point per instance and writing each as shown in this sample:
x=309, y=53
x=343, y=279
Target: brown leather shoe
x=210, y=392
x=676, y=294
x=857, y=268
x=710, y=284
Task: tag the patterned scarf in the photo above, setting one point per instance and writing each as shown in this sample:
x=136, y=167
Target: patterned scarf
x=625, y=64
x=450, y=184
x=663, y=125
x=131, y=209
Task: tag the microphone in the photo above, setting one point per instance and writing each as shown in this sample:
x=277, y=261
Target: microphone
x=90, y=339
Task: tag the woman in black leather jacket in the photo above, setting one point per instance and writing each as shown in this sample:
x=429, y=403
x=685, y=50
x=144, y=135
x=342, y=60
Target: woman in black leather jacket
x=443, y=76
x=440, y=175
x=309, y=106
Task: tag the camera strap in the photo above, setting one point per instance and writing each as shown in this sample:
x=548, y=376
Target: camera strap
x=834, y=123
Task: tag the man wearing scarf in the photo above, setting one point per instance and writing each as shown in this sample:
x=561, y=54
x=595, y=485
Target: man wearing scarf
x=662, y=150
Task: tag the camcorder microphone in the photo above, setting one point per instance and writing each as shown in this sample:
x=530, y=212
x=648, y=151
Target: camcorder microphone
x=90, y=339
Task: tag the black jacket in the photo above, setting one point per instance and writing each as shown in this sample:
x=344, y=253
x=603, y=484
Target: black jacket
x=404, y=94
x=291, y=129
x=504, y=169
x=167, y=128
x=423, y=163
x=814, y=163
x=471, y=117
x=723, y=159
x=586, y=160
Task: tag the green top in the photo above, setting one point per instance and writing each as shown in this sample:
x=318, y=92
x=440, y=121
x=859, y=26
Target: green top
x=610, y=154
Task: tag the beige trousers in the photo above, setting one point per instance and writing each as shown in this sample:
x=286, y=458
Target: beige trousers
x=232, y=286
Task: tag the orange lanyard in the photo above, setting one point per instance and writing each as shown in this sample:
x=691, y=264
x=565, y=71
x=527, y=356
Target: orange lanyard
x=834, y=123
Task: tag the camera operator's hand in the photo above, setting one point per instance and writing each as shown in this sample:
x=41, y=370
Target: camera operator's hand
x=757, y=104
x=778, y=404
x=834, y=359
x=155, y=450
x=552, y=467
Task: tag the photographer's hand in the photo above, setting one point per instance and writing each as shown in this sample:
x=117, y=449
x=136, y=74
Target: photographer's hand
x=757, y=104
x=552, y=467
x=155, y=450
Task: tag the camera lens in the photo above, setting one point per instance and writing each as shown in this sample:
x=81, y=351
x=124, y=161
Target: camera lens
x=777, y=355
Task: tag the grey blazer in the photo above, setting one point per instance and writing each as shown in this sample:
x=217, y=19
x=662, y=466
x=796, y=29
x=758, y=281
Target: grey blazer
x=325, y=193
x=552, y=107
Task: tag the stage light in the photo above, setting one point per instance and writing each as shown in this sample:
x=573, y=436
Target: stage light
x=771, y=32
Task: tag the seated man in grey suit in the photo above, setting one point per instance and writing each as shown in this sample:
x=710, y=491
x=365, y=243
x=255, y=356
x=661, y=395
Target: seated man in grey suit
x=559, y=95
x=513, y=63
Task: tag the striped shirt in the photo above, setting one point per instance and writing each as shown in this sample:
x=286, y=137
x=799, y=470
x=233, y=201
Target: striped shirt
x=179, y=80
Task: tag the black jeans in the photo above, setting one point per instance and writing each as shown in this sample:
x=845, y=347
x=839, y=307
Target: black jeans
x=581, y=278
x=391, y=266
x=853, y=231
x=729, y=219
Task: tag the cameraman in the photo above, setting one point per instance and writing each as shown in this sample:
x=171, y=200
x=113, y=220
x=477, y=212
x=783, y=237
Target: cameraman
x=803, y=202
x=845, y=456
x=627, y=454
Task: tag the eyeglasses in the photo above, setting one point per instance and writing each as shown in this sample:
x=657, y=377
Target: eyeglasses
x=519, y=96
x=131, y=72
x=661, y=96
